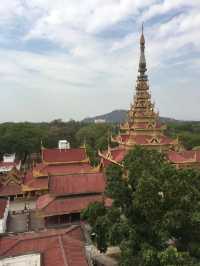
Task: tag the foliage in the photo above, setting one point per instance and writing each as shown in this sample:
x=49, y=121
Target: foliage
x=188, y=132
x=155, y=217
x=96, y=138
x=25, y=138
x=93, y=212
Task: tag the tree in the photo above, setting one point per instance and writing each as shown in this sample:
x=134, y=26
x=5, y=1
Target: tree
x=155, y=217
x=96, y=138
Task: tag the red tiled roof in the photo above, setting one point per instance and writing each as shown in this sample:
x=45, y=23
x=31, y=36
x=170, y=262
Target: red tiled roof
x=45, y=170
x=61, y=247
x=43, y=201
x=184, y=156
x=77, y=184
x=10, y=190
x=28, y=176
x=165, y=140
x=61, y=205
x=118, y=154
x=194, y=154
x=40, y=167
x=63, y=155
x=8, y=164
x=175, y=157
x=69, y=169
x=124, y=138
x=37, y=183
x=3, y=204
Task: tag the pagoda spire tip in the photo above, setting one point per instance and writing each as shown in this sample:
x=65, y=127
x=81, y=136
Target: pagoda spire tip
x=142, y=63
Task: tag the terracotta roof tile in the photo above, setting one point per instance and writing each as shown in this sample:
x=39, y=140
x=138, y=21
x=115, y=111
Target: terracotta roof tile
x=118, y=154
x=175, y=157
x=37, y=183
x=63, y=205
x=184, y=156
x=58, y=247
x=77, y=184
x=43, y=201
x=69, y=169
x=64, y=155
x=124, y=138
x=10, y=189
x=194, y=154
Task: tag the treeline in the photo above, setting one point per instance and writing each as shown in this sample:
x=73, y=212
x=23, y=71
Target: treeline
x=25, y=138
x=188, y=133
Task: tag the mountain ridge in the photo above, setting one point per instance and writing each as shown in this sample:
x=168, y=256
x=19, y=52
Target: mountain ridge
x=119, y=115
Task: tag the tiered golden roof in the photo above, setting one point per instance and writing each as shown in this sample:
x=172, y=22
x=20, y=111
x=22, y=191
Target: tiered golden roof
x=143, y=126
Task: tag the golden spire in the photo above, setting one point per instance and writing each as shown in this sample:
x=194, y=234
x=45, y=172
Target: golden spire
x=142, y=63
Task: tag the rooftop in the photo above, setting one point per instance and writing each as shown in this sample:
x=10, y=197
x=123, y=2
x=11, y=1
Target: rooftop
x=50, y=206
x=61, y=247
x=64, y=155
x=77, y=184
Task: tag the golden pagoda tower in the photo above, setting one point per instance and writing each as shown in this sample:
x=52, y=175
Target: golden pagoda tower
x=143, y=126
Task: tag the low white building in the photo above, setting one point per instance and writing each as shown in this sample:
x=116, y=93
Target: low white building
x=63, y=144
x=99, y=121
x=4, y=208
x=9, y=162
x=23, y=260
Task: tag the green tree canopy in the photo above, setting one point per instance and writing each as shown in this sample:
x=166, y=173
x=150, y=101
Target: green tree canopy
x=96, y=138
x=155, y=217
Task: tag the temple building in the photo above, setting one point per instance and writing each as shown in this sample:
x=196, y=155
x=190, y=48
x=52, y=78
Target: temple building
x=185, y=158
x=53, y=173
x=144, y=128
x=60, y=186
x=48, y=248
x=10, y=180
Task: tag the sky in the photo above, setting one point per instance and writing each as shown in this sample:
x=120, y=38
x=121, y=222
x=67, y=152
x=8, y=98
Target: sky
x=71, y=59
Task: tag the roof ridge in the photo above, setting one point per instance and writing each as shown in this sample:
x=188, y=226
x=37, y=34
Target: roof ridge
x=28, y=237
x=11, y=246
x=80, y=148
x=62, y=250
x=80, y=173
x=52, y=199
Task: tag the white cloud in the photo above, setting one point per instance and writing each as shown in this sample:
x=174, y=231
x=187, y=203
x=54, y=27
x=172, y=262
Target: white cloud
x=95, y=71
x=10, y=10
x=168, y=6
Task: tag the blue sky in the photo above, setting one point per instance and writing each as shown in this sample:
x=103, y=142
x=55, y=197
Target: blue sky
x=79, y=58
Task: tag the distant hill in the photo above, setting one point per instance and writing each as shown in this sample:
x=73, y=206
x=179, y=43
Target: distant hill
x=118, y=116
